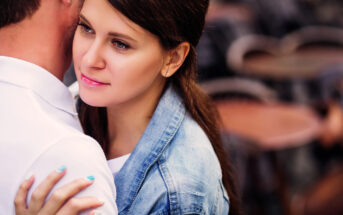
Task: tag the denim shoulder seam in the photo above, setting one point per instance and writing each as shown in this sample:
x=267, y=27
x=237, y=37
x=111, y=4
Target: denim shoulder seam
x=214, y=207
x=185, y=211
x=171, y=189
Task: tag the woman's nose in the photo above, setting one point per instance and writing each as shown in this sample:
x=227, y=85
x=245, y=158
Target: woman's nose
x=93, y=57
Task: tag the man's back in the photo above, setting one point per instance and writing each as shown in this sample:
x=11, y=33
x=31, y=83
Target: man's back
x=40, y=132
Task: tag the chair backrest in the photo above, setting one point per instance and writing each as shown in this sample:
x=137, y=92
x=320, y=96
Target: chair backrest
x=312, y=35
x=247, y=88
x=249, y=43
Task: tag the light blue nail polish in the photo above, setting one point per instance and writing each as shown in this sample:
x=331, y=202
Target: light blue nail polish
x=91, y=178
x=61, y=169
x=28, y=176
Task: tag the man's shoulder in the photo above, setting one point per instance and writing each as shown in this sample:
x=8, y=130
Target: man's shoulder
x=77, y=143
x=28, y=115
x=30, y=123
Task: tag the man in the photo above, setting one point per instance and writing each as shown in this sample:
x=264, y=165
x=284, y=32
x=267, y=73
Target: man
x=40, y=130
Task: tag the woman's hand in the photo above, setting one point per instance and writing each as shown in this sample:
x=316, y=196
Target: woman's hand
x=60, y=201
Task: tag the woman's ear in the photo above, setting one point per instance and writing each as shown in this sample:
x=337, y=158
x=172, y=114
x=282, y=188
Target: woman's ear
x=175, y=59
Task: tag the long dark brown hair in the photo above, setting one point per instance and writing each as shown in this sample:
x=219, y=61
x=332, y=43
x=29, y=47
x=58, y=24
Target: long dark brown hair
x=173, y=21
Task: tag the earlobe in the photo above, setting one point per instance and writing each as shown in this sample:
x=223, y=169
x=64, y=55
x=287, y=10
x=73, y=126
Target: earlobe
x=166, y=73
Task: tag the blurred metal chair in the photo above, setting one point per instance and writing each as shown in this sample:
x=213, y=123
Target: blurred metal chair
x=233, y=87
x=248, y=44
x=295, y=60
x=308, y=35
x=225, y=22
x=245, y=155
x=255, y=126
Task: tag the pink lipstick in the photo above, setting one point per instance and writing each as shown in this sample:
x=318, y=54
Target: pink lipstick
x=91, y=82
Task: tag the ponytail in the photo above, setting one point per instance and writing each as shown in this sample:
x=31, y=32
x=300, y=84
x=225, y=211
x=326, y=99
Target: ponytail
x=203, y=111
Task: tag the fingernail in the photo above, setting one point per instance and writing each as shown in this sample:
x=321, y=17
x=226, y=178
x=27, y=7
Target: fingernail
x=90, y=178
x=61, y=169
x=29, y=176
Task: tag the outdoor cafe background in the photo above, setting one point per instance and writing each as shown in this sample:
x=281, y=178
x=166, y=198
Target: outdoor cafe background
x=275, y=71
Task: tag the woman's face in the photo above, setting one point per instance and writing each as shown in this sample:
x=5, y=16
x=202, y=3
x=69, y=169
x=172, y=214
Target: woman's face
x=116, y=61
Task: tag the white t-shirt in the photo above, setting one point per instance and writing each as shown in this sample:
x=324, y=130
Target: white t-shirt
x=117, y=163
x=40, y=131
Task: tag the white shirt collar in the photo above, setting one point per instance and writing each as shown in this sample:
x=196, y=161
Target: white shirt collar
x=30, y=76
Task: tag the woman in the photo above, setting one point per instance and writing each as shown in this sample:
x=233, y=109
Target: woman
x=135, y=62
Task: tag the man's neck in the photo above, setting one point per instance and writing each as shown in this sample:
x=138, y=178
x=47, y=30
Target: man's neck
x=39, y=46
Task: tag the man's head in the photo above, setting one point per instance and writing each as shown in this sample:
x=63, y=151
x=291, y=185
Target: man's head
x=15, y=11
x=39, y=31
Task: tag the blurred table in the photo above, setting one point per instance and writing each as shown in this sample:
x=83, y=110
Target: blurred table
x=271, y=127
x=304, y=63
x=235, y=11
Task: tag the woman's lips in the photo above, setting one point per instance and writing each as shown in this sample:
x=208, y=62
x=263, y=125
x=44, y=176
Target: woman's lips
x=91, y=82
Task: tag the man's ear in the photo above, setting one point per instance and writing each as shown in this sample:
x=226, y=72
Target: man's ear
x=67, y=2
x=175, y=59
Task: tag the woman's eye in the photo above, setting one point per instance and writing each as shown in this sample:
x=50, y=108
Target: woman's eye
x=120, y=45
x=85, y=28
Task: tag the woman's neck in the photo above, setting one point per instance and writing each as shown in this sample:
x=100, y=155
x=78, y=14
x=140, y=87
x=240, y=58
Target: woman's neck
x=127, y=122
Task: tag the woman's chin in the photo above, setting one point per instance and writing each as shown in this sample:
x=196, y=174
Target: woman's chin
x=93, y=101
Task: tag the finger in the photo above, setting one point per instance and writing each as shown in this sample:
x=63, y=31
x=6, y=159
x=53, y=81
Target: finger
x=40, y=193
x=94, y=212
x=76, y=205
x=61, y=195
x=21, y=196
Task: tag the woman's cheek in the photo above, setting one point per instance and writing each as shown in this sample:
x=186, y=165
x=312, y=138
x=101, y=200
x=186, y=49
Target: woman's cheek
x=80, y=47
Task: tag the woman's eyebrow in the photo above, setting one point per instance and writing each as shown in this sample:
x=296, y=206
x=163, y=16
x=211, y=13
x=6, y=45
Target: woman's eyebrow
x=116, y=34
x=113, y=34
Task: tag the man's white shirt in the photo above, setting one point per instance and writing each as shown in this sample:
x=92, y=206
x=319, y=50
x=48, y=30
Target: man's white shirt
x=40, y=131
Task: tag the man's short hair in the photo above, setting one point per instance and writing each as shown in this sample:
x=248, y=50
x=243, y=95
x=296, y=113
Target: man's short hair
x=13, y=11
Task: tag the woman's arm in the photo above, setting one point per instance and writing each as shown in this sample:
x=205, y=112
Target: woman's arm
x=60, y=202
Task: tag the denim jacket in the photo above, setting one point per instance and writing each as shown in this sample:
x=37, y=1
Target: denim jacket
x=173, y=168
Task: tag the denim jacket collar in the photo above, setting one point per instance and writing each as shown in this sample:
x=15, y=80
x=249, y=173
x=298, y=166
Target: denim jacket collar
x=160, y=131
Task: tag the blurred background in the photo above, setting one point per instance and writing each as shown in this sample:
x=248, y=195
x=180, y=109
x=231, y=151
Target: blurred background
x=275, y=71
